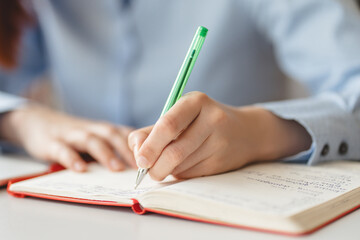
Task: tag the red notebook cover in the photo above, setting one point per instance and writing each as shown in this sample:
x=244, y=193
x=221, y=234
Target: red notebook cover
x=138, y=209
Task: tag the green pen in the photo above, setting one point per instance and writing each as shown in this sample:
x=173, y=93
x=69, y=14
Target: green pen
x=180, y=82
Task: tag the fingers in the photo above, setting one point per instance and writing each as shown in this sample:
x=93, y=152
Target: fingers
x=203, y=162
x=203, y=168
x=190, y=141
x=103, y=141
x=97, y=147
x=124, y=151
x=199, y=155
x=66, y=156
x=168, y=127
x=117, y=138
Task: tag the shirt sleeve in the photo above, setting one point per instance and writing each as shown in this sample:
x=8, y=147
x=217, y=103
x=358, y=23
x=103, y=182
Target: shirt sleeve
x=317, y=42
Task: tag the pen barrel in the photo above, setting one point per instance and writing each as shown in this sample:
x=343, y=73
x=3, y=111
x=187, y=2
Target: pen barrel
x=186, y=68
x=180, y=81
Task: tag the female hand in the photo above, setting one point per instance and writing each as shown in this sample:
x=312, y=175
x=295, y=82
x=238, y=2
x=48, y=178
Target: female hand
x=199, y=136
x=57, y=137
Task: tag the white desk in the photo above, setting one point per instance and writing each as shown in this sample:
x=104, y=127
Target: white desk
x=37, y=219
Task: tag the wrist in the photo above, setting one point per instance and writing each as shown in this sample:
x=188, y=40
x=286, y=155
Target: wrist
x=12, y=122
x=7, y=126
x=275, y=137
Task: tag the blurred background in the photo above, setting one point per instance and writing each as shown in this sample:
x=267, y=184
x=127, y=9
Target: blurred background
x=41, y=89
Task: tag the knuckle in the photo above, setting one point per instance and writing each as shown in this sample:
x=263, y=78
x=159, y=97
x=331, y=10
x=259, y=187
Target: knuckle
x=136, y=137
x=131, y=139
x=200, y=97
x=105, y=128
x=94, y=143
x=110, y=131
x=132, y=136
x=168, y=124
x=195, y=98
x=219, y=116
x=88, y=136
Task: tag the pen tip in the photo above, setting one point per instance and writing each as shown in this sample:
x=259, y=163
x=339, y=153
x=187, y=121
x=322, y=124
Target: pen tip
x=135, y=186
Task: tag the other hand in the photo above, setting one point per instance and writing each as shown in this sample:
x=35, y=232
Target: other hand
x=53, y=136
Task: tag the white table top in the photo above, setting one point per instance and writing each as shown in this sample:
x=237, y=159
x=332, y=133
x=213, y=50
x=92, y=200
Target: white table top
x=36, y=219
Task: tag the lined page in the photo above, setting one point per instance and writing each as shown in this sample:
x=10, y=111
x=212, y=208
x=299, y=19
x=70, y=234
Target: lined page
x=270, y=188
x=97, y=183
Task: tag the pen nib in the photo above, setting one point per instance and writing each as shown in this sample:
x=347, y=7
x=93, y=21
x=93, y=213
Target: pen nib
x=140, y=176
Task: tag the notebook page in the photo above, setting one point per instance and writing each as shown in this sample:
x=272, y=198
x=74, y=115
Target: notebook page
x=272, y=188
x=12, y=166
x=98, y=183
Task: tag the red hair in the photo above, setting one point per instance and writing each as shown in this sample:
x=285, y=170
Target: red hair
x=13, y=19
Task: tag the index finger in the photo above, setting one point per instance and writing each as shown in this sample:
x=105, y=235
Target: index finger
x=168, y=127
x=136, y=138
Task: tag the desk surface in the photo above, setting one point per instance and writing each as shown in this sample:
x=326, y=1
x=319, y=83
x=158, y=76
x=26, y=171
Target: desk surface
x=32, y=219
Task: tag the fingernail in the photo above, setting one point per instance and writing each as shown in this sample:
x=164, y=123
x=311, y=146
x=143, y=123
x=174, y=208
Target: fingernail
x=115, y=165
x=79, y=167
x=142, y=162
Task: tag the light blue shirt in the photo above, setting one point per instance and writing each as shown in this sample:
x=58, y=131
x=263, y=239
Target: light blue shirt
x=116, y=62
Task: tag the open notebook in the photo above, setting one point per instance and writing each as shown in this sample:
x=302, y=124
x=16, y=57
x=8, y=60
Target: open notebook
x=14, y=166
x=275, y=197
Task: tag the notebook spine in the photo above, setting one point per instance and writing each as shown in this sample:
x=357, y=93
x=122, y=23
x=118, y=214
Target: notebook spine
x=137, y=208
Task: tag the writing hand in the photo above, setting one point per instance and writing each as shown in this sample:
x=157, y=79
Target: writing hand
x=199, y=136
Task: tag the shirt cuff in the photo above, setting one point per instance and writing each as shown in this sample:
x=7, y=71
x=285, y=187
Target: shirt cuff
x=334, y=129
x=10, y=102
x=301, y=157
